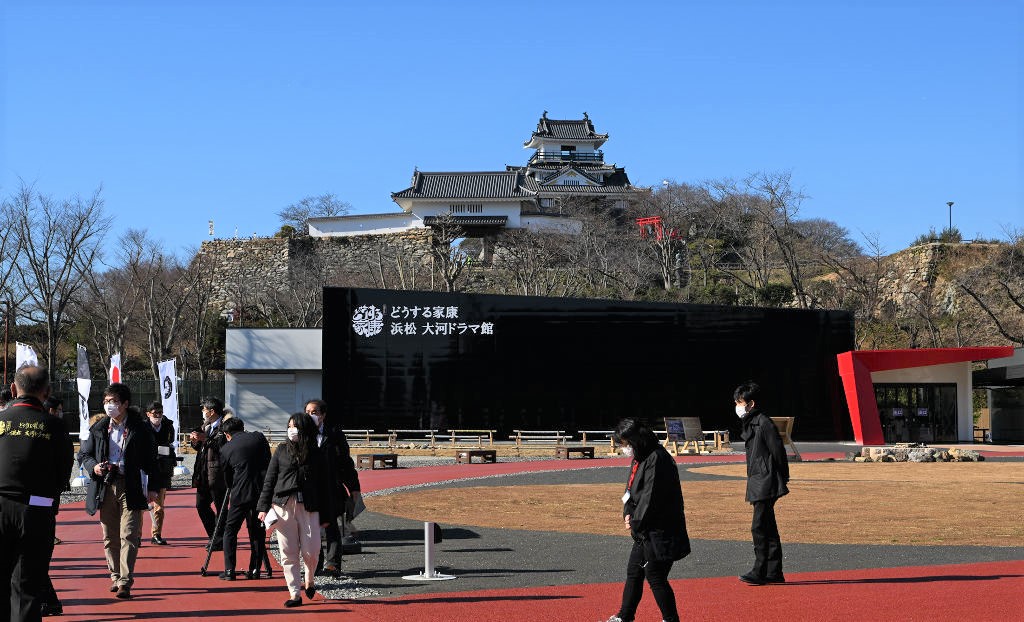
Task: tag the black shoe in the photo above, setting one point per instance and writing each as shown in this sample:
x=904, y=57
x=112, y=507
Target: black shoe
x=227, y=575
x=293, y=602
x=158, y=540
x=331, y=570
x=252, y=574
x=778, y=579
x=113, y=588
x=310, y=591
x=51, y=609
x=124, y=592
x=752, y=579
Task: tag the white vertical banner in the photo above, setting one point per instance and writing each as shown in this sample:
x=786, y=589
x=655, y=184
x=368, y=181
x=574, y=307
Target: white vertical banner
x=84, y=379
x=24, y=355
x=169, y=393
x=115, y=368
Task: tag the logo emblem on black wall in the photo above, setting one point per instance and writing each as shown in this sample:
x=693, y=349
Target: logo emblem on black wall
x=368, y=320
x=168, y=386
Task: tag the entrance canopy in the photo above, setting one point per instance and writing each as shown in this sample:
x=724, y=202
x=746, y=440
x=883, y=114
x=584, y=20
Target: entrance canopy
x=855, y=369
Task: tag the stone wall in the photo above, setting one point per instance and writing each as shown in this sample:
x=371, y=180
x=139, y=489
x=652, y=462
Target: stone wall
x=231, y=263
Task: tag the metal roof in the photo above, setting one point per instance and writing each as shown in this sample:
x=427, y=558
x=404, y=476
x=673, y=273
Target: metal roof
x=457, y=185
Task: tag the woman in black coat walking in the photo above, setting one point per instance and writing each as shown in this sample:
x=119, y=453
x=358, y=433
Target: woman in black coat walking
x=653, y=512
x=296, y=489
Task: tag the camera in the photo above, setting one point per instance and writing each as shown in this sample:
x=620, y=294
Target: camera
x=110, y=472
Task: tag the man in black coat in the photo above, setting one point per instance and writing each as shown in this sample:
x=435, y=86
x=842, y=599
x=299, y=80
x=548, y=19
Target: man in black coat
x=208, y=478
x=767, y=479
x=343, y=480
x=244, y=458
x=119, y=455
x=36, y=465
x=166, y=460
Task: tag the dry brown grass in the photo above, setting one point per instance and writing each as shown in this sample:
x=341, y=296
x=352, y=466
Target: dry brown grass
x=836, y=503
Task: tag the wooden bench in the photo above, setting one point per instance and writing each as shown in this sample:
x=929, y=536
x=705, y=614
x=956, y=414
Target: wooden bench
x=600, y=435
x=470, y=438
x=465, y=456
x=369, y=438
x=564, y=451
x=370, y=461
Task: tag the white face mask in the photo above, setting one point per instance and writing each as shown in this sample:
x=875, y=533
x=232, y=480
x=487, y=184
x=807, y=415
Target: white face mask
x=293, y=434
x=112, y=410
x=316, y=419
x=627, y=451
x=741, y=411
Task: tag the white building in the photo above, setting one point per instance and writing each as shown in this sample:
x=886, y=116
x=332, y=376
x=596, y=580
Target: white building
x=567, y=164
x=270, y=373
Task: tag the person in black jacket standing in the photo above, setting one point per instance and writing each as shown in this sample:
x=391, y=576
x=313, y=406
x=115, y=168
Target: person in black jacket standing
x=652, y=510
x=166, y=459
x=767, y=479
x=343, y=480
x=35, y=466
x=296, y=489
x=118, y=452
x=207, y=478
x=244, y=457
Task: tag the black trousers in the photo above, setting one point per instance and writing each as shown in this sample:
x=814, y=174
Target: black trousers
x=26, y=546
x=332, y=537
x=205, y=497
x=656, y=573
x=767, y=545
x=257, y=535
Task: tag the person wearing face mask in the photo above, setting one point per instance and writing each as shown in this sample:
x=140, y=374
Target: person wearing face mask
x=297, y=489
x=767, y=479
x=653, y=512
x=120, y=456
x=343, y=481
x=163, y=434
x=207, y=476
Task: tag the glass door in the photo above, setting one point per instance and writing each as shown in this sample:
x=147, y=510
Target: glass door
x=917, y=413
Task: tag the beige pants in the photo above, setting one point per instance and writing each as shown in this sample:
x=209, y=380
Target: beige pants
x=157, y=513
x=298, y=534
x=122, y=534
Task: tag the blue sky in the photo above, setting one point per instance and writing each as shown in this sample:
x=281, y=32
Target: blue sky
x=189, y=110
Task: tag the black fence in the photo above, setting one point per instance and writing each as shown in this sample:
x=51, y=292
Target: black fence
x=190, y=393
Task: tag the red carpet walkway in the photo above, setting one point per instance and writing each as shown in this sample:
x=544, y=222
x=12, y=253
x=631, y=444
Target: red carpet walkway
x=169, y=587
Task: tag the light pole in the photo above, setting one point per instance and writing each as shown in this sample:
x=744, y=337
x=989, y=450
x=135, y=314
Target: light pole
x=950, y=205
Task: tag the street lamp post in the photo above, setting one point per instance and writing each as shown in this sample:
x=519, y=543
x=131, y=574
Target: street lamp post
x=950, y=205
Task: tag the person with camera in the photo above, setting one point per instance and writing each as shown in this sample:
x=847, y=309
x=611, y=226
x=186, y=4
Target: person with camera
x=37, y=459
x=119, y=454
x=166, y=460
x=208, y=477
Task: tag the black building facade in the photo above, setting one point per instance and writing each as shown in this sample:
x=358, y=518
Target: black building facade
x=415, y=360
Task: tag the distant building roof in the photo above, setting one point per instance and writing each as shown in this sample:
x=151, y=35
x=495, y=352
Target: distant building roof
x=565, y=129
x=478, y=185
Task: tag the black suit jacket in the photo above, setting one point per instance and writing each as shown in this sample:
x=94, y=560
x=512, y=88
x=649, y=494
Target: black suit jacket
x=139, y=456
x=244, y=459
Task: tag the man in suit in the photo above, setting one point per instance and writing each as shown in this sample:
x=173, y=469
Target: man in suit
x=207, y=478
x=244, y=458
x=117, y=454
x=37, y=459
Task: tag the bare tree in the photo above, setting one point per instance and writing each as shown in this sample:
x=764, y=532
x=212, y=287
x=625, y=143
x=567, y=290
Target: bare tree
x=997, y=287
x=298, y=214
x=449, y=261
x=60, y=240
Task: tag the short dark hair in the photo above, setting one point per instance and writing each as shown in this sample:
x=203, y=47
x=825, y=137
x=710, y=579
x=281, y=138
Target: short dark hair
x=748, y=392
x=120, y=391
x=320, y=405
x=5, y=396
x=232, y=426
x=52, y=403
x=214, y=404
x=31, y=379
x=155, y=405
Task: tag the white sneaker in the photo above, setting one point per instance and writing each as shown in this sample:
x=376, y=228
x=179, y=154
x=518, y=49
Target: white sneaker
x=614, y=618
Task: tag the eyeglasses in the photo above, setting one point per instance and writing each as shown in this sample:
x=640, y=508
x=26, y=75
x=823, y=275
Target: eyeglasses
x=156, y=412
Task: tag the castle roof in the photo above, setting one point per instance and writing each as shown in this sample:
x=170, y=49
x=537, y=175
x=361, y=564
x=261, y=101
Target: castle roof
x=462, y=185
x=565, y=129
